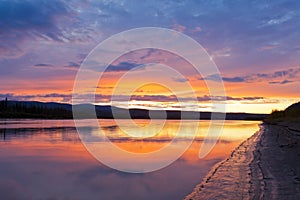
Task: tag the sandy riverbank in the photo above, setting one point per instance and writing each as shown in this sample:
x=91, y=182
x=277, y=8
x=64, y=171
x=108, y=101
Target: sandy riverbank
x=265, y=166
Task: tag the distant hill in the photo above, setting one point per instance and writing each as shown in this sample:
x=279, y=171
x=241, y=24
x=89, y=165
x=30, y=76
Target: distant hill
x=291, y=113
x=53, y=110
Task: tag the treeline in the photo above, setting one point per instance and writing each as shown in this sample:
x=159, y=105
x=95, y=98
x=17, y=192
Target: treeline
x=52, y=110
x=15, y=109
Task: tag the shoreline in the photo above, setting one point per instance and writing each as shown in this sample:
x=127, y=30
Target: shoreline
x=278, y=158
x=265, y=166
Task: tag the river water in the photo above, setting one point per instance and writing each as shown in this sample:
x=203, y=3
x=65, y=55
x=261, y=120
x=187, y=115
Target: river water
x=45, y=159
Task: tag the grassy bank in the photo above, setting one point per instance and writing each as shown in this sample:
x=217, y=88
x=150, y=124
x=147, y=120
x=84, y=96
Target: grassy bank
x=291, y=114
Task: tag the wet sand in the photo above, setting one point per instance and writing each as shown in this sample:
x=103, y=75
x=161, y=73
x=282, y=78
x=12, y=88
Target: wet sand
x=265, y=166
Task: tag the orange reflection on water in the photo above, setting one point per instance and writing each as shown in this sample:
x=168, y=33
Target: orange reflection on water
x=233, y=133
x=45, y=159
x=47, y=139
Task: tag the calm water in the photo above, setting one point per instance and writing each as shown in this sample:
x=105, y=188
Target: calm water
x=45, y=159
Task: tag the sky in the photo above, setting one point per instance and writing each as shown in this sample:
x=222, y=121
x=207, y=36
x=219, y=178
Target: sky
x=255, y=45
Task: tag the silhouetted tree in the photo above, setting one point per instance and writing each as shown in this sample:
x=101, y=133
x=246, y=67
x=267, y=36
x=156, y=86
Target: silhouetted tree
x=5, y=102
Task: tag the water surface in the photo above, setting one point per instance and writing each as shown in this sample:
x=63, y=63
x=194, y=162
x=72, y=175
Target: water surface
x=45, y=159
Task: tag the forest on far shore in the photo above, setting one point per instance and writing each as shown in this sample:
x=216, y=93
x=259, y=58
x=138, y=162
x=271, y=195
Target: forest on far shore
x=15, y=109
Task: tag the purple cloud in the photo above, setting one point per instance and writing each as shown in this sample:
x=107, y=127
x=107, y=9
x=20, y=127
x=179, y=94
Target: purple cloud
x=27, y=20
x=43, y=65
x=289, y=76
x=234, y=79
x=281, y=82
x=124, y=66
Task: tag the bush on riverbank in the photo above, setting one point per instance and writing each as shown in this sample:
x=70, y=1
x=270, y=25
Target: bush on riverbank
x=291, y=114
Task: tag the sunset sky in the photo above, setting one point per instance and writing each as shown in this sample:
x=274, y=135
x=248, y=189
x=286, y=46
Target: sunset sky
x=255, y=44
